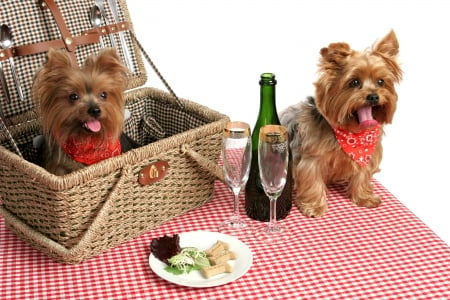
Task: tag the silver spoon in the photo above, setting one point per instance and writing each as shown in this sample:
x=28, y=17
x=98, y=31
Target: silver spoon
x=6, y=43
x=101, y=6
x=96, y=20
x=126, y=53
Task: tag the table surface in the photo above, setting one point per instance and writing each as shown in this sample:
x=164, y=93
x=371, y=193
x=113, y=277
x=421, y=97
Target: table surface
x=351, y=252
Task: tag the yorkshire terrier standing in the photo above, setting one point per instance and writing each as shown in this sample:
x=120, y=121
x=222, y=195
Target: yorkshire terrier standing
x=336, y=137
x=82, y=109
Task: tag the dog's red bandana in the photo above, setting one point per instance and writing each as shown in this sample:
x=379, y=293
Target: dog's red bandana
x=360, y=145
x=89, y=151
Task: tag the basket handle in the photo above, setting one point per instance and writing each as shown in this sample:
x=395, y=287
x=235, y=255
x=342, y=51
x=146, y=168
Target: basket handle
x=75, y=253
x=149, y=60
x=204, y=162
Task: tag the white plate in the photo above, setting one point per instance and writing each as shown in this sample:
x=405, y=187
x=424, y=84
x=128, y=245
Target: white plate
x=203, y=240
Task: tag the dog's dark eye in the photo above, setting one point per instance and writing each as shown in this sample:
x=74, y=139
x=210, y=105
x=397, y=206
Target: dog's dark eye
x=355, y=83
x=74, y=97
x=380, y=82
x=103, y=95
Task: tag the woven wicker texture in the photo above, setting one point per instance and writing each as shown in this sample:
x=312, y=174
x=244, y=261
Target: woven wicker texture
x=100, y=206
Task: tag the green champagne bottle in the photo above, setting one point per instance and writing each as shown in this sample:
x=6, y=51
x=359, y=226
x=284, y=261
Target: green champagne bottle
x=257, y=204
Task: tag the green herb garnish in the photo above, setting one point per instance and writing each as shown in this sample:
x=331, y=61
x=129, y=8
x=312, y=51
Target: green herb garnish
x=190, y=258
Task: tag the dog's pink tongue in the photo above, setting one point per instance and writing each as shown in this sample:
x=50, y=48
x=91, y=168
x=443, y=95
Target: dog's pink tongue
x=93, y=125
x=365, y=118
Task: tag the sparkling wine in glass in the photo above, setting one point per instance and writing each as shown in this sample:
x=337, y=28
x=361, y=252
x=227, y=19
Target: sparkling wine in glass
x=236, y=158
x=273, y=158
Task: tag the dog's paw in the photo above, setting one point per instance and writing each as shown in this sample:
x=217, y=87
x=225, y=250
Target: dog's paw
x=370, y=202
x=312, y=210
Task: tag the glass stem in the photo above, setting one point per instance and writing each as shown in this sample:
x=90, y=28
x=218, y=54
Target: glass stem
x=273, y=213
x=236, y=204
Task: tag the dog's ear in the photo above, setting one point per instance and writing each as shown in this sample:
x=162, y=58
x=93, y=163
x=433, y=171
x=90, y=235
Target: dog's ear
x=107, y=62
x=57, y=59
x=388, y=49
x=336, y=53
x=106, y=59
x=387, y=46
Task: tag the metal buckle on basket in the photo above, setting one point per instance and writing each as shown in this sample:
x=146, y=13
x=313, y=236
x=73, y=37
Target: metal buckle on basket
x=153, y=172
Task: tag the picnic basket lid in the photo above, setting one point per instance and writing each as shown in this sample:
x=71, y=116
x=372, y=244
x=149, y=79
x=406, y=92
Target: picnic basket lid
x=37, y=25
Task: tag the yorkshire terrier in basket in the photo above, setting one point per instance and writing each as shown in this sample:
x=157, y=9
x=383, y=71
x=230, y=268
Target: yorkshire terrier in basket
x=336, y=136
x=82, y=109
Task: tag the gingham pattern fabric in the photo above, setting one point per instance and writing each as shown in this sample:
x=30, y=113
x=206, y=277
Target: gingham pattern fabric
x=30, y=24
x=152, y=120
x=350, y=253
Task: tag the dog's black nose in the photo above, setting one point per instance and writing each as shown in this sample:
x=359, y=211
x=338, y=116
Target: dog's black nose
x=372, y=98
x=94, y=111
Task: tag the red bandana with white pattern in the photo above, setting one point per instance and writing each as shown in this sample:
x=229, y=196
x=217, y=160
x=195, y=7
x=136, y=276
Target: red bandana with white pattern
x=88, y=151
x=360, y=145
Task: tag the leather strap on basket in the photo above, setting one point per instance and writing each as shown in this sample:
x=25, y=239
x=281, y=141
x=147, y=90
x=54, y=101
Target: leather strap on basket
x=68, y=39
x=88, y=37
x=44, y=46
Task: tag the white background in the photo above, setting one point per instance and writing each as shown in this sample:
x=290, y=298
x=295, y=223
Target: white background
x=213, y=53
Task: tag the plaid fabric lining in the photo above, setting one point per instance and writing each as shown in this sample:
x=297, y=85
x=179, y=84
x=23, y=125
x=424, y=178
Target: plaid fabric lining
x=162, y=116
x=30, y=24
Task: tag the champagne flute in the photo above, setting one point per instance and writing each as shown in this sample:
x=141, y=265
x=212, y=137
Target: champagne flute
x=273, y=158
x=236, y=158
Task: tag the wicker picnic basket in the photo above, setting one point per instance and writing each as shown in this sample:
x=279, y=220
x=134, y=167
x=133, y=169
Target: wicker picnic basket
x=73, y=217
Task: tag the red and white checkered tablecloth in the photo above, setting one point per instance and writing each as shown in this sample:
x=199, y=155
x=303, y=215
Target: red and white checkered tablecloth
x=351, y=252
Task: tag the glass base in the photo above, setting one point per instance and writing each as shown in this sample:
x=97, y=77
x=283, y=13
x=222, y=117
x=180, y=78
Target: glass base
x=234, y=226
x=272, y=234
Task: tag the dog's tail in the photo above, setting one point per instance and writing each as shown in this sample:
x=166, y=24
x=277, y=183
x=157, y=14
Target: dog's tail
x=289, y=116
x=289, y=119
